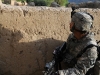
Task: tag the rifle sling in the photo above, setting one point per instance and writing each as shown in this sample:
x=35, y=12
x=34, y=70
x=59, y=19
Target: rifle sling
x=84, y=50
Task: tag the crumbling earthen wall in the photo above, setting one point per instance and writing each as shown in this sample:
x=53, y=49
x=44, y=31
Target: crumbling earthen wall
x=28, y=35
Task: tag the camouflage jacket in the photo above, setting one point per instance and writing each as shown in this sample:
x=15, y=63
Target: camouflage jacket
x=88, y=58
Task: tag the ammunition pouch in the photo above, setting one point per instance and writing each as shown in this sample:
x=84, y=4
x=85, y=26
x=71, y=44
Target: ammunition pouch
x=97, y=68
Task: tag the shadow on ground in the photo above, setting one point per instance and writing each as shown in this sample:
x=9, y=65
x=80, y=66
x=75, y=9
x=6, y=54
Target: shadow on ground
x=24, y=58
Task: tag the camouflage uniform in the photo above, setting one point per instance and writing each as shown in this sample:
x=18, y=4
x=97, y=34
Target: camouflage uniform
x=88, y=58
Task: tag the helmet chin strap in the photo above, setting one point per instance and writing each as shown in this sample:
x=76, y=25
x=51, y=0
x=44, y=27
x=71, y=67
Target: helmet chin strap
x=73, y=28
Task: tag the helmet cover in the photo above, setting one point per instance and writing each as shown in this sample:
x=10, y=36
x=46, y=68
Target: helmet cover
x=82, y=21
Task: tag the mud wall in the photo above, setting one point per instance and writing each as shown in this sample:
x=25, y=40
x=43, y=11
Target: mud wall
x=28, y=35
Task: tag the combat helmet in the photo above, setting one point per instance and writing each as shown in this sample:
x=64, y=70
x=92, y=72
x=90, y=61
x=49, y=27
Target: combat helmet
x=82, y=21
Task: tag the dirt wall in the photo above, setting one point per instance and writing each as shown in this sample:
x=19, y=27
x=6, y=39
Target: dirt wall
x=0, y=2
x=28, y=35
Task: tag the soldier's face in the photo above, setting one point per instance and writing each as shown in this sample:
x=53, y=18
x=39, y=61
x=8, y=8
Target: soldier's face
x=71, y=26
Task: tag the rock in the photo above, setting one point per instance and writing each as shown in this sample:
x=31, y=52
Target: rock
x=54, y=4
x=31, y=4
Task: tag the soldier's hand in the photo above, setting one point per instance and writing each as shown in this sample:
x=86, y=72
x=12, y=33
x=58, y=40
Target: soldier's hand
x=55, y=73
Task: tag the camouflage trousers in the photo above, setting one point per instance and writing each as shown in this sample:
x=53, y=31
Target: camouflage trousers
x=70, y=71
x=73, y=71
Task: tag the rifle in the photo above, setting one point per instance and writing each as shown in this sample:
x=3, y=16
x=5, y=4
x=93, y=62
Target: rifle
x=55, y=65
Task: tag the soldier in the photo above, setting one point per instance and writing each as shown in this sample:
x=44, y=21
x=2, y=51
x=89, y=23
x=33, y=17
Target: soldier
x=81, y=62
